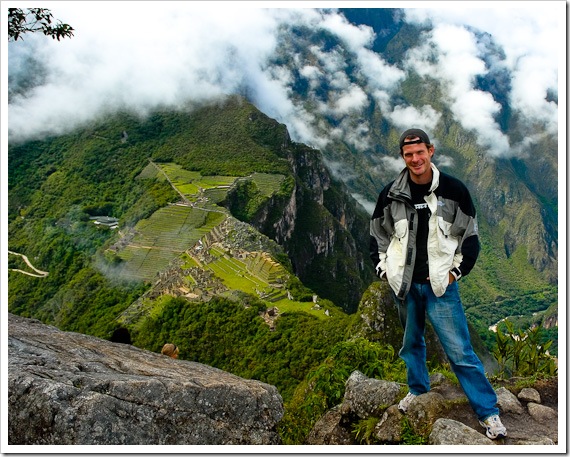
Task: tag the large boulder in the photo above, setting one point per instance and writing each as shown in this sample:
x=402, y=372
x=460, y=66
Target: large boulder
x=68, y=388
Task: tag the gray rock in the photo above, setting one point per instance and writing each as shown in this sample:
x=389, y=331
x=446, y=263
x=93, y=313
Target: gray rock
x=449, y=431
x=438, y=379
x=68, y=388
x=529, y=394
x=329, y=430
x=543, y=441
x=389, y=428
x=442, y=417
x=508, y=402
x=424, y=411
x=541, y=413
x=367, y=397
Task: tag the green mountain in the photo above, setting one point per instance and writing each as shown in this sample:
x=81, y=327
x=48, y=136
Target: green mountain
x=170, y=183
x=166, y=226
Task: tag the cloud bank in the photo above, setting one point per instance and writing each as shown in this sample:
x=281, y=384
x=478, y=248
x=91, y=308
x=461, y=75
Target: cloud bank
x=167, y=53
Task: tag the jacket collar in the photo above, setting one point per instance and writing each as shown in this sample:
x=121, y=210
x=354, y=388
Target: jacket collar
x=402, y=188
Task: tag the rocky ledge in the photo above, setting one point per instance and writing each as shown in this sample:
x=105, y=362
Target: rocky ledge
x=72, y=389
x=442, y=416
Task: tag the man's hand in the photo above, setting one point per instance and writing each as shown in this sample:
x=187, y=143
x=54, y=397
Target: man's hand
x=381, y=274
x=451, y=278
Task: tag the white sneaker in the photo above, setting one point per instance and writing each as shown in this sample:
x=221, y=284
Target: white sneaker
x=494, y=428
x=406, y=402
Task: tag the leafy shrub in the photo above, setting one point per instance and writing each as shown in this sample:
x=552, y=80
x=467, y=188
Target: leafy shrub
x=523, y=353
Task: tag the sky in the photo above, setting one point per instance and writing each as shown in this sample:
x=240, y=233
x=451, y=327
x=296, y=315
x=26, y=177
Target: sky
x=166, y=53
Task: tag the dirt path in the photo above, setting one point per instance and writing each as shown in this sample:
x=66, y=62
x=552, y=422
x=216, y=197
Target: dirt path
x=40, y=273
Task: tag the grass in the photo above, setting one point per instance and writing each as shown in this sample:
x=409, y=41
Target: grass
x=171, y=230
x=292, y=306
x=267, y=183
x=192, y=183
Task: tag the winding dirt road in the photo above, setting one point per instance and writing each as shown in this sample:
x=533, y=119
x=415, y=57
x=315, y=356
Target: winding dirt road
x=40, y=273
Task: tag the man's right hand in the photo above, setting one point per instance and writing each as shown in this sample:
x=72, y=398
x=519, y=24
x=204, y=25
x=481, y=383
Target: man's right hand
x=381, y=274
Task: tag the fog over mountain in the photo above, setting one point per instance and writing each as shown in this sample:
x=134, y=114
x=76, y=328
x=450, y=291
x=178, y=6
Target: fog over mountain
x=164, y=54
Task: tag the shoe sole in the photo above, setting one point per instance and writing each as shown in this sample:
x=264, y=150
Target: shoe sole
x=493, y=437
x=500, y=435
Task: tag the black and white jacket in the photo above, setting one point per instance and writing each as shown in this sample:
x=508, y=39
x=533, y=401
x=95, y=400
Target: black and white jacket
x=453, y=239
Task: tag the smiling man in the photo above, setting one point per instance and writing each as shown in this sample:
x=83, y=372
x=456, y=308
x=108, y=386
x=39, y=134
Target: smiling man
x=424, y=238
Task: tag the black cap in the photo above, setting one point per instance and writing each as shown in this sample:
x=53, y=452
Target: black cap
x=423, y=138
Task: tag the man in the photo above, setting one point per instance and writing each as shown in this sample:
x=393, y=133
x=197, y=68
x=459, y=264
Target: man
x=424, y=238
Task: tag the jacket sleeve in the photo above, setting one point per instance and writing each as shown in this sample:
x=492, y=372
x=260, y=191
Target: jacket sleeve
x=465, y=225
x=379, y=236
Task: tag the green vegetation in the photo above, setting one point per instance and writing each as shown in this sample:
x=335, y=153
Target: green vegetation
x=97, y=276
x=190, y=184
x=226, y=146
x=410, y=437
x=32, y=20
x=231, y=336
x=324, y=385
x=363, y=430
x=173, y=230
x=502, y=286
x=163, y=237
x=521, y=353
x=56, y=184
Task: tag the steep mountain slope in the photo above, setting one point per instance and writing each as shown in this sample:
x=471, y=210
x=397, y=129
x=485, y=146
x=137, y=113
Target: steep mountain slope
x=349, y=93
x=233, y=257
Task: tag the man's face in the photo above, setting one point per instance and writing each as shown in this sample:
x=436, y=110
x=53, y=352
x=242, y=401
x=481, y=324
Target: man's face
x=418, y=161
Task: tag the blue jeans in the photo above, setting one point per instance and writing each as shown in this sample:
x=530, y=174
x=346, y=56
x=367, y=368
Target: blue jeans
x=450, y=324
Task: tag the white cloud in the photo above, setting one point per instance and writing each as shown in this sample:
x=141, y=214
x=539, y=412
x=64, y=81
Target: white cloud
x=313, y=74
x=405, y=117
x=351, y=100
x=331, y=61
x=443, y=161
x=367, y=204
x=170, y=52
x=457, y=66
x=141, y=57
x=531, y=36
x=380, y=74
x=356, y=135
x=391, y=165
x=355, y=37
x=340, y=170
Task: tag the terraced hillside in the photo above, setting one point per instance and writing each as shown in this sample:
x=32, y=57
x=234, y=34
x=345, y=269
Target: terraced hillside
x=189, y=248
x=169, y=232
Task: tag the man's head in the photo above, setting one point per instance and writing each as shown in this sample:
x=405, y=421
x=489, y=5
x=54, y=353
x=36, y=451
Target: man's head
x=417, y=151
x=170, y=350
x=413, y=136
